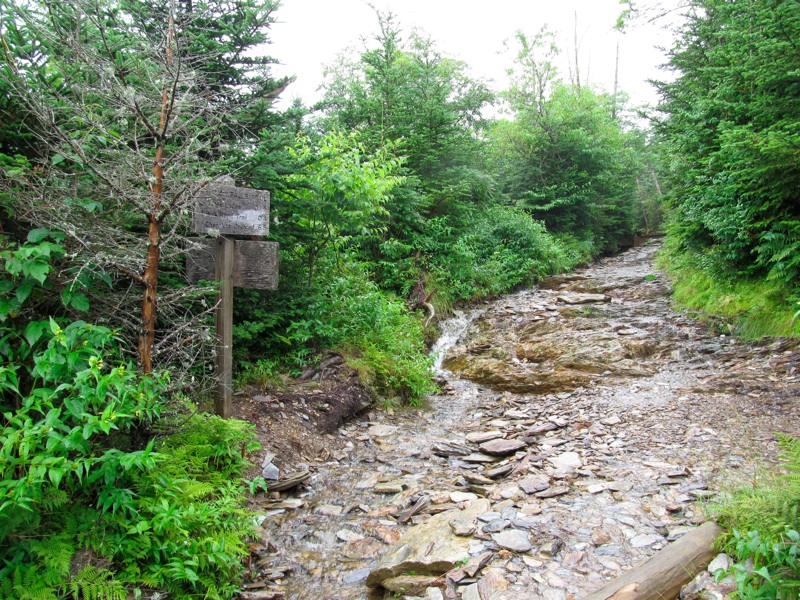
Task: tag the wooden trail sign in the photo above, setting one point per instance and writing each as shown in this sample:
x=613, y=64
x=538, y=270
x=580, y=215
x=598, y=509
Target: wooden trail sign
x=224, y=210
x=255, y=264
x=229, y=210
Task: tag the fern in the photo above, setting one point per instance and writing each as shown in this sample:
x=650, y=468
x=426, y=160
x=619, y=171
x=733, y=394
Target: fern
x=54, y=553
x=93, y=583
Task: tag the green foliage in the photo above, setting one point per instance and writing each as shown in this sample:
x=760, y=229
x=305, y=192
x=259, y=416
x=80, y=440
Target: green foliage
x=730, y=121
x=408, y=92
x=81, y=471
x=504, y=248
x=565, y=157
x=753, y=307
x=339, y=197
x=764, y=522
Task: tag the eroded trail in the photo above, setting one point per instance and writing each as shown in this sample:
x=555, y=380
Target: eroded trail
x=580, y=425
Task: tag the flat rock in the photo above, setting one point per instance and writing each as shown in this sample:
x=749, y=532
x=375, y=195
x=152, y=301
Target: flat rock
x=498, y=472
x=478, y=437
x=328, y=510
x=270, y=472
x=430, y=548
x=447, y=449
x=566, y=461
x=462, y=527
x=388, y=487
x=412, y=585
x=578, y=298
x=496, y=526
x=513, y=539
x=434, y=593
x=346, y=535
x=533, y=484
x=478, y=457
x=645, y=540
x=355, y=576
x=553, y=492
x=502, y=447
x=462, y=497
x=381, y=430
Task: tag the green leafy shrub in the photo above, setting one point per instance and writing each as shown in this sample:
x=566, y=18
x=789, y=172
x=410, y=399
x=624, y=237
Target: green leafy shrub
x=82, y=471
x=764, y=522
x=503, y=249
x=375, y=330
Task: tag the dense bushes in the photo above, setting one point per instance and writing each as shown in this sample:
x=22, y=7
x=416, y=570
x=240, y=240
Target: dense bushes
x=730, y=123
x=98, y=493
x=502, y=249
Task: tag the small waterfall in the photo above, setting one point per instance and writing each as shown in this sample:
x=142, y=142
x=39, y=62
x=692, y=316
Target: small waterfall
x=451, y=332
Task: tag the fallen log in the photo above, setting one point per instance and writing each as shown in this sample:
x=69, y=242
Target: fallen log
x=662, y=575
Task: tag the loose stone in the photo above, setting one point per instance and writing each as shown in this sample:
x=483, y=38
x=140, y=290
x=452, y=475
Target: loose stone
x=513, y=539
x=502, y=447
x=478, y=437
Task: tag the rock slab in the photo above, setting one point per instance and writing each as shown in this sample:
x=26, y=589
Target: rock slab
x=430, y=548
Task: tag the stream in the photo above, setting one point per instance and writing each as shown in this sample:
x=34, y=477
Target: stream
x=590, y=418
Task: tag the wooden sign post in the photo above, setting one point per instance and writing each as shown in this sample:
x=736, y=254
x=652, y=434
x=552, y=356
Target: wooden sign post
x=224, y=210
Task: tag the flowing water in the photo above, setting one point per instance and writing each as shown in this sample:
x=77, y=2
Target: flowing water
x=634, y=420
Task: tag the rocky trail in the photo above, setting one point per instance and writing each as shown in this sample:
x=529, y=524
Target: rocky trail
x=581, y=427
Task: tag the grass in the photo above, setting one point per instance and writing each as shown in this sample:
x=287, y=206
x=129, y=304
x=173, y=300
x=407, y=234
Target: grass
x=752, y=309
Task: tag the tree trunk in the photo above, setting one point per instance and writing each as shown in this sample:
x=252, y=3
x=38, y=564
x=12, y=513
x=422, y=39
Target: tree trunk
x=147, y=337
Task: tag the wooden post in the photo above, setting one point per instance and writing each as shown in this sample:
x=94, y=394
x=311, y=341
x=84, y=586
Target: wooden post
x=223, y=210
x=224, y=327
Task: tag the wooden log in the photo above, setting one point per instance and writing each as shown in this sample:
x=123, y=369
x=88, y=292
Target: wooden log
x=662, y=575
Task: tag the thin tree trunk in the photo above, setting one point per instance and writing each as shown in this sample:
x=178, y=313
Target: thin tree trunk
x=147, y=336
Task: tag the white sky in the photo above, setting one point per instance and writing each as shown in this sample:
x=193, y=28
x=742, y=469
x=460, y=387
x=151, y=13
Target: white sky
x=310, y=33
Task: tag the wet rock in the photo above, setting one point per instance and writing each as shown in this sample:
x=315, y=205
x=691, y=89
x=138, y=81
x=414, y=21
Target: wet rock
x=513, y=539
x=447, y=449
x=366, y=548
x=495, y=526
x=478, y=437
x=430, y=548
x=356, y=576
x=462, y=497
x=346, y=535
x=477, y=479
x=328, y=510
x=270, y=472
x=502, y=447
x=578, y=298
x=413, y=585
x=381, y=430
x=498, y=472
x=478, y=457
x=462, y=527
x=389, y=487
